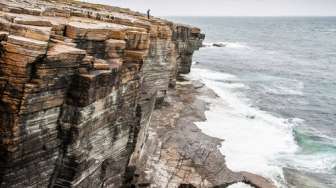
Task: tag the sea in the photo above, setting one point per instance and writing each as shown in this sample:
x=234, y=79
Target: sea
x=276, y=82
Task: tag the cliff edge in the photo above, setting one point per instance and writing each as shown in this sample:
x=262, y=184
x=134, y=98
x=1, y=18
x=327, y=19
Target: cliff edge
x=78, y=86
x=76, y=80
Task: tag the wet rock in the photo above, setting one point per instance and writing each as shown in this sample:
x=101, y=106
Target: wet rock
x=219, y=45
x=250, y=117
x=257, y=181
x=198, y=84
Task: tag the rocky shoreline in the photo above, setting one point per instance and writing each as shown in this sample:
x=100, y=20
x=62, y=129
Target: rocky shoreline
x=89, y=98
x=177, y=153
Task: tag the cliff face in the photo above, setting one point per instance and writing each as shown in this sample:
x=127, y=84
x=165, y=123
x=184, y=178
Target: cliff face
x=78, y=84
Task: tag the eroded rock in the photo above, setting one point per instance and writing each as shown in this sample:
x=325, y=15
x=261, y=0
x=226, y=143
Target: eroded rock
x=78, y=84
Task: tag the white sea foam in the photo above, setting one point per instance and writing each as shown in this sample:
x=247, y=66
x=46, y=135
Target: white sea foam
x=211, y=75
x=254, y=139
x=240, y=185
x=285, y=87
x=318, y=163
x=207, y=44
x=234, y=45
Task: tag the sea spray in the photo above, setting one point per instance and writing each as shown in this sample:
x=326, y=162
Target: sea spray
x=254, y=139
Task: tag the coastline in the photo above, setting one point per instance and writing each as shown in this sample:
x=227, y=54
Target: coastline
x=93, y=96
x=78, y=83
x=178, y=153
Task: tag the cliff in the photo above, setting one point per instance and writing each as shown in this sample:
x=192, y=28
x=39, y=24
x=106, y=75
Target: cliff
x=79, y=83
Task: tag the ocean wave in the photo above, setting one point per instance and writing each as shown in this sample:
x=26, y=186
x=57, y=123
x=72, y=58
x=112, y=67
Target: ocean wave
x=234, y=45
x=280, y=86
x=240, y=185
x=318, y=151
x=226, y=80
x=318, y=163
x=285, y=87
x=325, y=30
x=254, y=139
x=212, y=75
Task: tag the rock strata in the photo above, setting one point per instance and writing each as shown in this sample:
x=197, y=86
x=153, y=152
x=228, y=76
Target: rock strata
x=175, y=152
x=78, y=83
x=86, y=100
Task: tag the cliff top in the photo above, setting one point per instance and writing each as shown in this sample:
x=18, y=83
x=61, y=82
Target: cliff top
x=59, y=10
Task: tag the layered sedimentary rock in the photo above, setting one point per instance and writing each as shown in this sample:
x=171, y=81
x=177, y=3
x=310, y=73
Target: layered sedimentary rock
x=78, y=84
x=173, y=151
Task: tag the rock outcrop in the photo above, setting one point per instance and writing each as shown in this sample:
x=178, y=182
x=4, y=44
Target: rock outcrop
x=88, y=99
x=78, y=84
x=176, y=153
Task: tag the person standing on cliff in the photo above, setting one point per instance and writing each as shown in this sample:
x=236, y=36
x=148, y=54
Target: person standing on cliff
x=148, y=13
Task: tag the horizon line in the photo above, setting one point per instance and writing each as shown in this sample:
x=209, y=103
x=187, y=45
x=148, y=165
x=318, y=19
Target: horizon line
x=245, y=16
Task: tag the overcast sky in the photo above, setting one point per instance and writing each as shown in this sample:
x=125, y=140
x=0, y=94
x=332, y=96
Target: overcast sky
x=229, y=7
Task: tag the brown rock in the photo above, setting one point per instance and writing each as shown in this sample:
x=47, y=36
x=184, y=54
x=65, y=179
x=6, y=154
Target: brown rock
x=78, y=82
x=32, y=21
x=257, y=181
x=132, y=55
x=100, y=64
x=65, y=54
x=94, y=31
x=33, y=32
x=3, y=35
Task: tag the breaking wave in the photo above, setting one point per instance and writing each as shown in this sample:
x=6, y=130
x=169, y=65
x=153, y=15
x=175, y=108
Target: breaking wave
x=254, y=139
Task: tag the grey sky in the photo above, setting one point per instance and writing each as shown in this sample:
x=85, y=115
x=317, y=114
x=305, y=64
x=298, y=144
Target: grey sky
x=229, y=7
